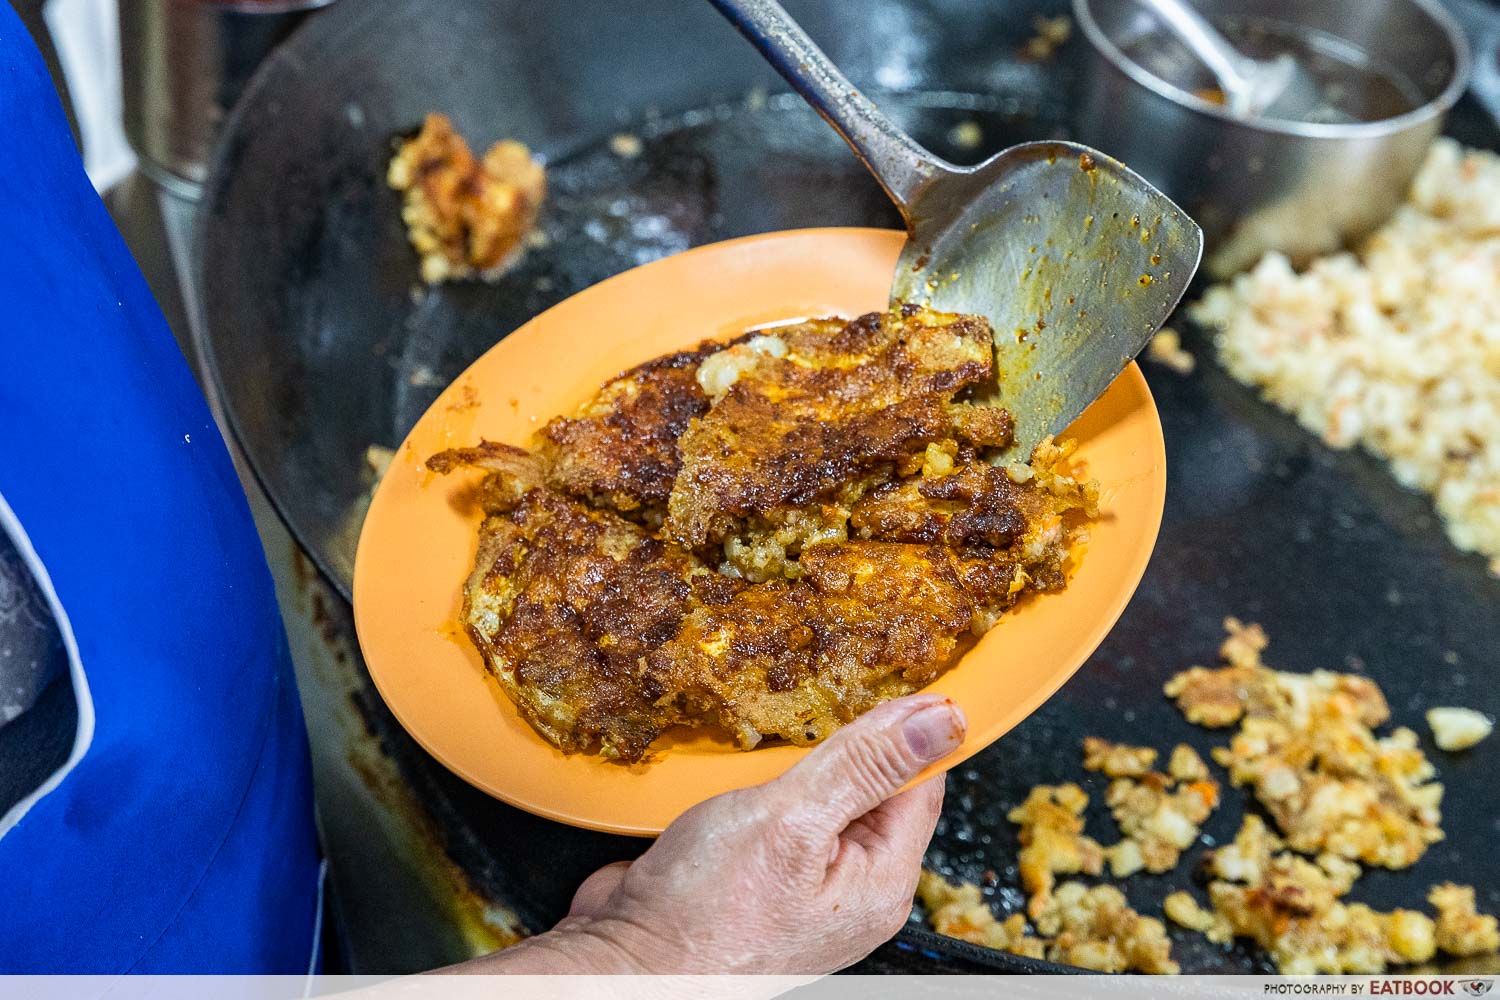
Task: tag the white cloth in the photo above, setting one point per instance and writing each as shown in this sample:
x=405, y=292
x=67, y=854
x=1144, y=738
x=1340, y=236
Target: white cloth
x=86, y=34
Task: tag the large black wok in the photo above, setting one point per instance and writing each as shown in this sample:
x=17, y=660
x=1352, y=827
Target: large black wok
x=320, y=347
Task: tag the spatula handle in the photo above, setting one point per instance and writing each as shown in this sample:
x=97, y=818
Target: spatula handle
x=903, y=168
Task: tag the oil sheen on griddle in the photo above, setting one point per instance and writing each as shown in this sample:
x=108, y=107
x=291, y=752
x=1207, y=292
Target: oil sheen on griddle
x=1354, y=87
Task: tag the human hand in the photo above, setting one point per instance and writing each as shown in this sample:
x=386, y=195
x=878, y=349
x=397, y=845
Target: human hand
x=805, y=874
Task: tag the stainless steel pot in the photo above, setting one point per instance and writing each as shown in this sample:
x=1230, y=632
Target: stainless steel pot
x=184, y=65
x=1303, y=188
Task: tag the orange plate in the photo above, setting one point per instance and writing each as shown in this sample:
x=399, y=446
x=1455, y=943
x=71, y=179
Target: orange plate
x=420, y=535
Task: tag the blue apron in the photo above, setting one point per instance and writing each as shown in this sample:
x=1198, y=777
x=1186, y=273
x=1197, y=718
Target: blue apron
x=177, y=835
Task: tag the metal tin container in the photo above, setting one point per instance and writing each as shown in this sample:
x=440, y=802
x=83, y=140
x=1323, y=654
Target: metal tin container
x=1303, y=188
x=185, y=63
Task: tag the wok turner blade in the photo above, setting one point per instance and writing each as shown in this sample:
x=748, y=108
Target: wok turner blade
x=1074, y=259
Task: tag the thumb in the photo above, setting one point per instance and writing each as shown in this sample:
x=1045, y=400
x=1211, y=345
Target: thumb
x=869, y=760
x=597, y=888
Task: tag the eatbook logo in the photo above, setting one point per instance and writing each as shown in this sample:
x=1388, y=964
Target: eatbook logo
x=1477, y=987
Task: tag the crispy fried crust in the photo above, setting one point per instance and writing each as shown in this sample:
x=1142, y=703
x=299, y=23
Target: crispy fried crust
x=798, y=659
x=799, y=413
x=565, y=602
x=620, y=450
x=604, y=635
x=976, y=503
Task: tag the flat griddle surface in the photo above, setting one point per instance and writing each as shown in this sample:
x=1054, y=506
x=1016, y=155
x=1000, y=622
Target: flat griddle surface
x=321, y=347
x=1347, y=572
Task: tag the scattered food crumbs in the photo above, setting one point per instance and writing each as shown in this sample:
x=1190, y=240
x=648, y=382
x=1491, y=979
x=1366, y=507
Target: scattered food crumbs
x=1185, y=911
x=1244, y=644
x=966, y=135
x=1116, y=760
x=1159, y=815
x=1307, y=750
x=1125, y=858
x=468, y=399
x=422, y=377
x=464, y=216
x=1458, y=728
x=959, y=911
x=1340, y=797
x=1166, y=349
x=1052, y=841
x=1093, y=928
x=1461, y=929
x=1186, y=765
x=1051, y=34
x=1090, y=927
x=1292, y=908
x=626, y=145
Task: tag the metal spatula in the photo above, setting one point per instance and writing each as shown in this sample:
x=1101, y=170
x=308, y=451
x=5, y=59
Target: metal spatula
x=1074, y=259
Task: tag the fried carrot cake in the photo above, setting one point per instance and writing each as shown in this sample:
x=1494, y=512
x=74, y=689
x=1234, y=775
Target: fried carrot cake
x=863, y=623
x=619, y=451
x=1090, y=927
x=804, y=419
x=1339, y=795
x=1053, y=842
x=770, y=535
x=565, y=601
x=1391, y=346
x=465, y=216
x=1159, y=814
x=1293, y=908
x=1307, y=748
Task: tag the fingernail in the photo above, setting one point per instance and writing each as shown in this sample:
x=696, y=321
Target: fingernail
x=934, y=732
